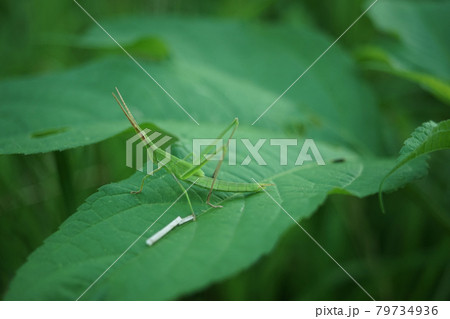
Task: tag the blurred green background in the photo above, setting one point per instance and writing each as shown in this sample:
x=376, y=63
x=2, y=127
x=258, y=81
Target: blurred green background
x=401, y=255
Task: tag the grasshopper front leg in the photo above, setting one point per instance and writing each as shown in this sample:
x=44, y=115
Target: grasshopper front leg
x=194, y=169
x=234, y=124
x=187, y=195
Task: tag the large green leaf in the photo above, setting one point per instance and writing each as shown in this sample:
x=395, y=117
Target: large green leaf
x=216, y=70
x=421, y=46
x=220, y=243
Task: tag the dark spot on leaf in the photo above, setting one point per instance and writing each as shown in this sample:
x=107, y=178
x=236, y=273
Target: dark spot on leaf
x=152, y=48
x=49, y=132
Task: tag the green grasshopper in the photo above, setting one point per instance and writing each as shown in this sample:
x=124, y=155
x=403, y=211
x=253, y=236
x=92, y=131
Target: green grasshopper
x=185, y=171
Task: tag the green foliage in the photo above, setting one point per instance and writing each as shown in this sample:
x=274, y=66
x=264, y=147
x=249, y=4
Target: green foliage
x=419, y=47
x=427, y=138
x=62, y=137
x=224, y=76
